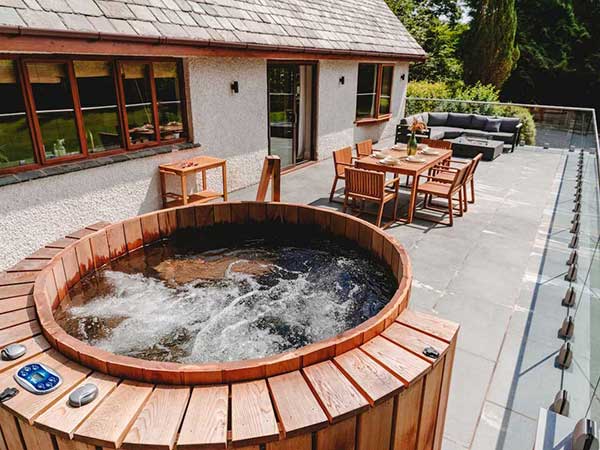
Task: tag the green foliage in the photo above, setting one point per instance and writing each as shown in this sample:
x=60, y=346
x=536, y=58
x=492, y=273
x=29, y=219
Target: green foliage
x=436, y=27
x=459, y=91
x=491, y=51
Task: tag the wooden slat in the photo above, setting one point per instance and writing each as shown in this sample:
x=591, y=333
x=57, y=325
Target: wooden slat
x=44, y=253
x=16, y=290
x=10, y=430
x=62, y=419
x=35, y=438
x=297, y=408
x=414, y=340
x=375, y=427
x=407, y=417
x=110, y=421
x=29, y=406
x=34, y=345
x=16, y=303
x=11, y=278
x=29, y=265
x=371, y=379
x=303, y=442
x=19, y=332
x=13, y=318
x=340, y=436
x=401, y=362
x=447, y=377
x=440, y=328
x=67, y=444
x=208, y=406
x=157, y=424
x=429, y=408
x=252, y=416
x=335, y=392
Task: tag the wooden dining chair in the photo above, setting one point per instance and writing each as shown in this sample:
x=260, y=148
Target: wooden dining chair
x=370, y=186
x=436, y=143
x=342, y=158
x=469, y=178
x=436, y=186
x=364, y=149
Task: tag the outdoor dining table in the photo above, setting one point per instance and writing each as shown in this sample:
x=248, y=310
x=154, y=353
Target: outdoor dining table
x=413, y=169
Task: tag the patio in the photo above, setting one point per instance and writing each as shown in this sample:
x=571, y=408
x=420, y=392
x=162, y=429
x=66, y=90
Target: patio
x=491, y=272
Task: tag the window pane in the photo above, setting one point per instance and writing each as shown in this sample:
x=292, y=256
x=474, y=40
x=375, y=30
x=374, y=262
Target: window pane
x=98, y=99
x=138, y=102
x=54, y=108
x=15, y=140
x=387, y=74
x=170, y=115
x=366, y=91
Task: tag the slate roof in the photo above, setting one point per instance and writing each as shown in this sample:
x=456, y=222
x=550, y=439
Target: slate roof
x=352, y=26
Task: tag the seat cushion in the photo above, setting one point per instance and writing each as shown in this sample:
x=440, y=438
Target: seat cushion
x=437, y=119
x=492, y=125
x=435, y=188
x=507, y=138
x=509, y=124
x=478, y=133
x=436, y=133
x=478, y=122
x=446, y=132
x=459, y=120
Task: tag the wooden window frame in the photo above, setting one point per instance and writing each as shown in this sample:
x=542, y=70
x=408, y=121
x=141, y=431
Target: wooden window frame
x=377, y=116
x=40, y=161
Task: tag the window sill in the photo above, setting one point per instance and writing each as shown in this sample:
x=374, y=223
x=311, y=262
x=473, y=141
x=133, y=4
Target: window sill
x=69, y=167
x=372, y=120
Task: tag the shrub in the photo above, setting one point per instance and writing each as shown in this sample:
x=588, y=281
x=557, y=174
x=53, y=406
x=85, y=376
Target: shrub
x=528, y=132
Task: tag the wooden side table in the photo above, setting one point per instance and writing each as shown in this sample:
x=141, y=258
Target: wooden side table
x=183, y=169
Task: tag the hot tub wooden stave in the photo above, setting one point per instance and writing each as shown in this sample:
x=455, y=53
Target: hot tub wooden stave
x=368, y=388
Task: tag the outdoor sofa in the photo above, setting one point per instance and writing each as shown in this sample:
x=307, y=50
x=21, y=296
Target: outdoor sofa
x=445, y=125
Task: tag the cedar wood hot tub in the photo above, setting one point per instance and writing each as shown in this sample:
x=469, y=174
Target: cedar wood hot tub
x=369, y=388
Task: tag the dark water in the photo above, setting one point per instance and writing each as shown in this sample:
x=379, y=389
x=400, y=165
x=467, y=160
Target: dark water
x=232, y=293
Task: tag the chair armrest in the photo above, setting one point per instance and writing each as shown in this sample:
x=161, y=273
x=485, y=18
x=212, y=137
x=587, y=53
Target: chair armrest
x=392, y=181
x=439, y=180
x=519, y=126
x=446, y=169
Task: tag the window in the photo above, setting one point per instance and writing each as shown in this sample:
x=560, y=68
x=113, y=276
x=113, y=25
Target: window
x=16, y=148
x=374, y=91
x=59, y=109
x=98, y=99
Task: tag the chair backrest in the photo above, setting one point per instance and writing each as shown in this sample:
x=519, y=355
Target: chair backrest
x=435, y=143
x=365, y=183
x=474, y=164
x=461, y=176
x=342, y=157
x=364, y=148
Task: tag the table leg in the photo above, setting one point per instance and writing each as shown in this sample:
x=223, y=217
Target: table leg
x=163, y=189
x=184, y=195
x=224, y=171
x=204, y=180
x=413, y=198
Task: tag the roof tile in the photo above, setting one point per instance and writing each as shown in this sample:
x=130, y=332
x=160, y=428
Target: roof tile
x=9, y=16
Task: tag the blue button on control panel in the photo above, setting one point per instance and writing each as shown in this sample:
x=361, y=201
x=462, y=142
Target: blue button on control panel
x=37, y=378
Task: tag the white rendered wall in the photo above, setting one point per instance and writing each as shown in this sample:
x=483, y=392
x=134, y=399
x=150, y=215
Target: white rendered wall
x=337, y=107
x=227, y=125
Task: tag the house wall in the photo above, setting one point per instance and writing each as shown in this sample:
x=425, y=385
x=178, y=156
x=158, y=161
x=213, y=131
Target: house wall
x=228, y=125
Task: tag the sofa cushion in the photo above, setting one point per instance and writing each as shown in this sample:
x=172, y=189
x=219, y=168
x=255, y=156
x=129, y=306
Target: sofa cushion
x=507, y=138
x=509, y=124
x=459, y=120
x=478, y=122
x=478, y=134
x=437, y=119
x=446, y=132
x=492, y=125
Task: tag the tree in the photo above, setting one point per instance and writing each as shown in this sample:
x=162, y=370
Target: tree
x=491, y=51
x=436, y=26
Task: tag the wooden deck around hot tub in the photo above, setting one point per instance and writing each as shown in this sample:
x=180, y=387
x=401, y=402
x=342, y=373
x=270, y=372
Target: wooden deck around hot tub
x=373, y=391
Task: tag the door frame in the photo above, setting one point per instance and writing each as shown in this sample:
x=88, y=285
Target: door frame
x=313, y=113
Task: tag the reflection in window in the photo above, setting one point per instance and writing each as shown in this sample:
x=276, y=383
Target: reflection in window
x=367, y=91
x=15, y=140
x=138, y=102
x=168, y=96
x=54, y=106
x=385, y=96
x=98, y=100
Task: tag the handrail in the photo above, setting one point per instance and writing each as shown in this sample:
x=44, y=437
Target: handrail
x=480, y=102
x=271, y=171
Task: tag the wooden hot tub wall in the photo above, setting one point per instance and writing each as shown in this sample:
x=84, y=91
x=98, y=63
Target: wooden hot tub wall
x=369, y=388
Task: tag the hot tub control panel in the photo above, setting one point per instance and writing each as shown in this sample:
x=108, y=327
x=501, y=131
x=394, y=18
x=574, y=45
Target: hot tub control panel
x=38, y=378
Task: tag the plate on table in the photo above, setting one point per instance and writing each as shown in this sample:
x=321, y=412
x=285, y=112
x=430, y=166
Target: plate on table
x=389, y=161
x=399, y=147
x=415, y=159
x=379, y=155
x=430, y=151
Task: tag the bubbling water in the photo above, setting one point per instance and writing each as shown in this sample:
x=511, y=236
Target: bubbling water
x=191, y=301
